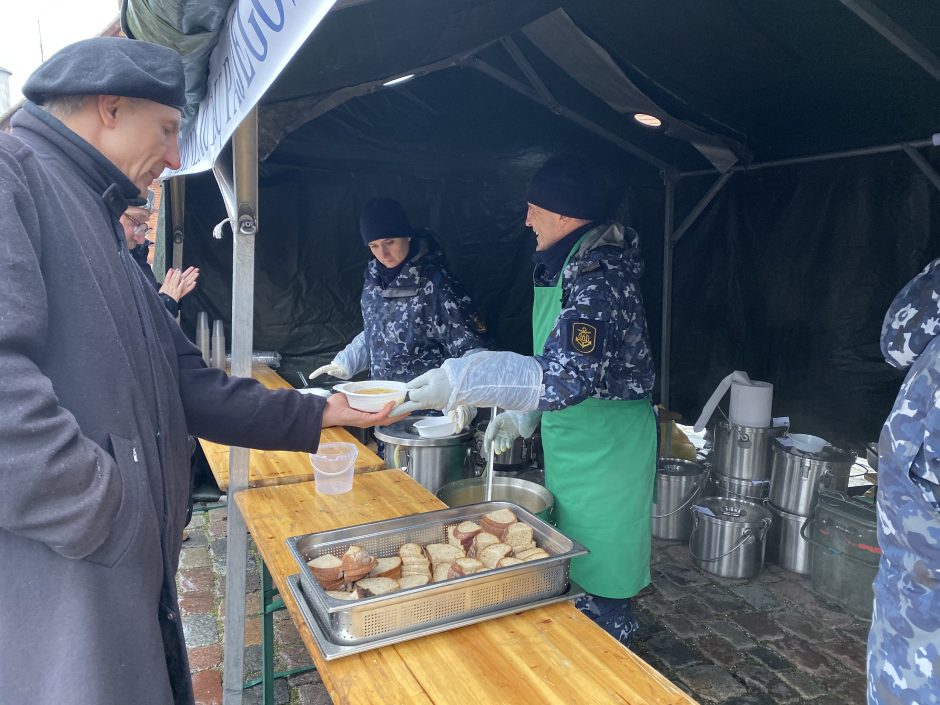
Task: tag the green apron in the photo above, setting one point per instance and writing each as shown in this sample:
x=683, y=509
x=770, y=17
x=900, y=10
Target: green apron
x=600, y=464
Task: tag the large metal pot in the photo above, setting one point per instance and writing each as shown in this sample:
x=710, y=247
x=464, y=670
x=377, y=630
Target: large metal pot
x=720, y=486
x=797, y=475
x=527, y=495
x=743, y=452
x=432, y=462
x=521, y=452
x=728, y=537
x=678, y=483
x=785, y=545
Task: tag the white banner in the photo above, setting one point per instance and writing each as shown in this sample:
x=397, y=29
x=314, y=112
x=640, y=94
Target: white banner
x=259, y=38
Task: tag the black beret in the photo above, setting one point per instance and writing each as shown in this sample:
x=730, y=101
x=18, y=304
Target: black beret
x=381, y=218
x=110, y=66
x=567, y=186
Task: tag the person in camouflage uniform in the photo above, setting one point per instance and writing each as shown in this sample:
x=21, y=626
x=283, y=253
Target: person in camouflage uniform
x=589, y=382
x=904, y=641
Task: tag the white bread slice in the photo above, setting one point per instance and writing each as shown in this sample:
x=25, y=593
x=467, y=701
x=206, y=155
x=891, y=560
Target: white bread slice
x=533, y=554
x=518, y=535
x=441, y=572
x=453, y=540
x=465, y=531
x=414, y=569
x=376, y=586
x=356, y=563
x=416, y=560
x=327, y=568
x=491, y=555
x=443, y=553
x=507, y=561
x=465, y=566
x=498, y=522
x=387, y=568
x=337, y=584
x=481, y=541
x=516, y=550
x=411, y=550
x=343, y=595
x=410, y=581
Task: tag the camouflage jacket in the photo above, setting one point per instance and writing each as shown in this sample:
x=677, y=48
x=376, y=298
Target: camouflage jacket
x=904, y=649
x=419, y=320
x=599, y=346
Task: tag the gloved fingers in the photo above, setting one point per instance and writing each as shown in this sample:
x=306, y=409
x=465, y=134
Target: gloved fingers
x=332, y=369
x=422, y=380
x=407, y=407
x=325, y=369
x=460, y=417
x=503, y=442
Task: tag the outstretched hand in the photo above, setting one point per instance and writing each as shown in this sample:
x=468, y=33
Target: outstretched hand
x=339, y=413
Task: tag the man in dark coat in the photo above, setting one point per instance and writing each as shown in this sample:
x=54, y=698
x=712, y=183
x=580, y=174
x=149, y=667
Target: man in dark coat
x=98, y=387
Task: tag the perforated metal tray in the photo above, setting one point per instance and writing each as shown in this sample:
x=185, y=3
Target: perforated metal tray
x=443, y=603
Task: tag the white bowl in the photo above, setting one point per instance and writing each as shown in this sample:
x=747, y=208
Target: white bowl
x=372, y=395
x=807, y=443
x=318, y=391
x=435, y=427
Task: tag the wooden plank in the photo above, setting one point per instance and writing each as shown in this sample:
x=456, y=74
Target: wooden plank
x=552, y=654
x=278, y=467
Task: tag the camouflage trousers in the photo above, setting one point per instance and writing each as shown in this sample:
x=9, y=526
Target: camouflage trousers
x=904, y=641
x=613, y=616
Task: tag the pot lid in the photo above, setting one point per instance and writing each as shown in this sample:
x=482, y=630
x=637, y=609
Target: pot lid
x=827, y=454
x=403, y=433
x=737, y=511
x=678, y=467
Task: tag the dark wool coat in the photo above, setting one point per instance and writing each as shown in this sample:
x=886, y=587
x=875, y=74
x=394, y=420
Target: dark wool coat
x=98, y=387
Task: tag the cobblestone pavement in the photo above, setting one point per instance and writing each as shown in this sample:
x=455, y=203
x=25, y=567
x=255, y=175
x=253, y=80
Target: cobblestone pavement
x=760, y=642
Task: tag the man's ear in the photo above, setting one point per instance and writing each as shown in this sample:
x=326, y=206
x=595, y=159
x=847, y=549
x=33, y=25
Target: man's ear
x=108, y=108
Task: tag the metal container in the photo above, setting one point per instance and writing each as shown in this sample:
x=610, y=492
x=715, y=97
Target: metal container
x=729, y=536
x=785, y=545
x=720, y=486
x=797, y=475
x=521, y=452
x=403, y=611
x=678, y=483
x=529, y=495
x=432, y=462
x=743, y=452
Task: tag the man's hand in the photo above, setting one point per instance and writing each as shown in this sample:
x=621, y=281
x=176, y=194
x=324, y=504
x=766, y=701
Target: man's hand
x=177, y=284
x=431, y=390
x=333, y=369
x=339, y=413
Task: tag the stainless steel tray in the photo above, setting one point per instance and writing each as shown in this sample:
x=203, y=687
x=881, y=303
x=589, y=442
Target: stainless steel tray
x=442, y=603
x=331, y=650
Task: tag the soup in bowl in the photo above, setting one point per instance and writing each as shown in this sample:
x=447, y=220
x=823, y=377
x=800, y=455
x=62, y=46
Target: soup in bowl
x=372, y=395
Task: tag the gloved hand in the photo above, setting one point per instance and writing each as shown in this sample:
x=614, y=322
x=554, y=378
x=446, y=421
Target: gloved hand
x=462, y=416
x=506, y=427
x=428, y=391
x=333, y=369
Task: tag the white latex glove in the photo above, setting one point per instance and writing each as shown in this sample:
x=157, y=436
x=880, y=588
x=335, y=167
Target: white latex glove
x=429, y=391
x=333, y=369
x=506, y=427
x=462, y=416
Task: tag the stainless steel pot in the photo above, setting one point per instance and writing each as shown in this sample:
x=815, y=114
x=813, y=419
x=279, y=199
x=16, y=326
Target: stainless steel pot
x=785, y=545
x=527, y=495
x=720, y=486
x=729, y=536
x=797, y=475
x=743, y=452
x=432, y=462
x=521, y=452
x=678, y=483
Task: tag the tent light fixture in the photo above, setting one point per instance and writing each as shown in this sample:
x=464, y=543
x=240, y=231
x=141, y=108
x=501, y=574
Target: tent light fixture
x=647, y=120
x=400, y=79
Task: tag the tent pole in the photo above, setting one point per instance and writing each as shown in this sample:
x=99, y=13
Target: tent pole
x=863, y=152
x=244, y=221
x=177, y=203
x=666, y=334
x=924, y=166
x=701, y=206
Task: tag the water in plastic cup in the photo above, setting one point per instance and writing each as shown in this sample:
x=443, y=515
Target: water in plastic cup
x=334, y=466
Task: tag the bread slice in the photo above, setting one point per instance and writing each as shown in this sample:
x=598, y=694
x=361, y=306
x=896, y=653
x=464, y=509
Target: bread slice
x=441, y=572
x=328, y=585
x=416, y=560
x=376, y=586
x=465, y=531
x=498, y=522
x=357, y=561
x=443, y=553
x=533, y=554
x=415, y=569
x=527, y=547
x=411, y=550
x=387, y=568
x=465, y=566
x=343, y=595
x=491, y=555
x=410, y=581
x=519, y=535
x=481, y=541
x=326, y=568
x=507, y=561
x=452, y=538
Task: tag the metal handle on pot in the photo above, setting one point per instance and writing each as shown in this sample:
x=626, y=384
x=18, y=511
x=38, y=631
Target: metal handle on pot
x=745, y=537
x=396, y=459
x=695, y=491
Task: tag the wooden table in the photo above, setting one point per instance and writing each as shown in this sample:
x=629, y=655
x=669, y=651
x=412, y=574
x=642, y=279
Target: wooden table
x=277, y=467
x=552, y=654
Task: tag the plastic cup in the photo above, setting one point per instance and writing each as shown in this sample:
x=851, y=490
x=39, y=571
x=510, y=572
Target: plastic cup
x=334, y=466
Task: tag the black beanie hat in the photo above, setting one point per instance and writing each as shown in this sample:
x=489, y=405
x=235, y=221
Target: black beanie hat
x=110, y=66
x=567, y=186
x=381, y=218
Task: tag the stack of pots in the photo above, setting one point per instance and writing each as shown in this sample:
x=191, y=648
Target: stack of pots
x=742, y=461
x=796, y=478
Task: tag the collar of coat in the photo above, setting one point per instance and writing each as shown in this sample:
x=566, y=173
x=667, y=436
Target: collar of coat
x=41, y=130
x=410, y=275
